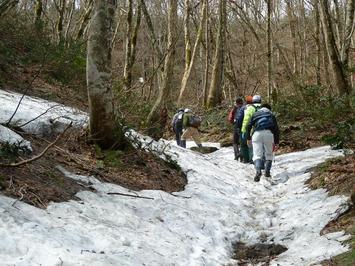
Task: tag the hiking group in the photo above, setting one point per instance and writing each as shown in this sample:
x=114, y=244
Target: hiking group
x=255, y=132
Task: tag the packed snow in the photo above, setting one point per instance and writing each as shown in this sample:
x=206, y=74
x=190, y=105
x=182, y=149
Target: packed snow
x=38, y=116
x=221, y=204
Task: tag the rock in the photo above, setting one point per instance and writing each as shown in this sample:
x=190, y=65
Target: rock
x=204, y=149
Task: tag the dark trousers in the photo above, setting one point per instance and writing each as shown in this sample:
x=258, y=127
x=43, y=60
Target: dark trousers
x=236, y=141
x=178, y=133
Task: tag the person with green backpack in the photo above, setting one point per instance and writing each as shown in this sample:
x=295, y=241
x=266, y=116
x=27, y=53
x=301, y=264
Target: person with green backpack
x=247, y=150
x=191, y=122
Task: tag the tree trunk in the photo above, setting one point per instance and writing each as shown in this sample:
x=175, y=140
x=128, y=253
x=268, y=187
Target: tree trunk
x=190, y=57
x=207, y=58
x=292, y=21
x=318, y=44
x=70, y=18
x=131, y=42
x=269, y=51
x=103, y=127
x=160, y=104
x=85, y=20
x=349, y=29
x=339, y=73
x=127, y=73
x=215, y=91
x=38, y=12
x=61, y=10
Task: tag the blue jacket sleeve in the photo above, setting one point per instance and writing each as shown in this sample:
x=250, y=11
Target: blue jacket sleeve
x=239, y=117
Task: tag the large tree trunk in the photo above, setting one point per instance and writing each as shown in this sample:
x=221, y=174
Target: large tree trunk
x=339, y=72
x=215, y=91
x=159, y=107
x=190, y=57
x=103, y=127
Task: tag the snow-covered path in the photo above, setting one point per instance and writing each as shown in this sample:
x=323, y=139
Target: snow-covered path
x=221, y=204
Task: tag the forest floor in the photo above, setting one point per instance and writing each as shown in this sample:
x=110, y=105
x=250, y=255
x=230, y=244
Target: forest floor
x=40, y=182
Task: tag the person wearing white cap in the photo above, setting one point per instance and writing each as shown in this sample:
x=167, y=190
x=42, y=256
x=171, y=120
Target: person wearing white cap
x=265, y=139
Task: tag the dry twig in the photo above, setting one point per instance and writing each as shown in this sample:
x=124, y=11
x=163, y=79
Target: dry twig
x=39, y=155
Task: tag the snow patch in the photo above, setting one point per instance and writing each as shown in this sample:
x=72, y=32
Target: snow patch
x=38, y=116
x=12, y=138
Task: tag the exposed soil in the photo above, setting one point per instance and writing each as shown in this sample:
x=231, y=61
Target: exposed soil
x=337, y=176
x=39, y=182
x=256, y=254
x=26, y=79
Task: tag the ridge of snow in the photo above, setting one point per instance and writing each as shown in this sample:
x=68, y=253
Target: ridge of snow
x=50, y=117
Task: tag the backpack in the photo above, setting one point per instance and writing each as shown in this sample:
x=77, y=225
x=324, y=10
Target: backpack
x=231, y=115
x=195, y=121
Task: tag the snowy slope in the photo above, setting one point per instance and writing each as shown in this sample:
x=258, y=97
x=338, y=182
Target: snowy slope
x=221, y=204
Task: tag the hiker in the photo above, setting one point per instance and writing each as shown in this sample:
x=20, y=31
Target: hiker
x=190, y=124
x=176, y=125
x=244, y=149
x=265, y=139
x=235, y=117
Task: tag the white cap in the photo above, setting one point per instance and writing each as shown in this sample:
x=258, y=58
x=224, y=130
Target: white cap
x=187, y=110
x=256, y=99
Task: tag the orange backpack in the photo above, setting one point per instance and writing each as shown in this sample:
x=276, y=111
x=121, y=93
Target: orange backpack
x=231, y=115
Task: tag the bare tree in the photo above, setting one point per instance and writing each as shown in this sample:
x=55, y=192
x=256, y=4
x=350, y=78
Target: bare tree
x=190, y=57
x=131, y=42
x=215, y=91
x=339, y=72
x=160, y=103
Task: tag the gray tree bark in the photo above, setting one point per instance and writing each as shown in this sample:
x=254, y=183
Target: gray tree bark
x=103, y=128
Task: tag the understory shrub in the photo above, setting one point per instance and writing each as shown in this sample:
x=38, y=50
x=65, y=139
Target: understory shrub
x=315, y=109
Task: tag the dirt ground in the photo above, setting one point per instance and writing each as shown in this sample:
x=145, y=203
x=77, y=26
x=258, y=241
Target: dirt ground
x=39, y=182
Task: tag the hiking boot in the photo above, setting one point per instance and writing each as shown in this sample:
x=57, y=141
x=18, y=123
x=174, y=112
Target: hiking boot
x=268, y=165
x=257, y=176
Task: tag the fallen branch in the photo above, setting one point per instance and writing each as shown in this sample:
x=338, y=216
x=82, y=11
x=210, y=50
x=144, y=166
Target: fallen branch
x=39, y=155
x=129, y=195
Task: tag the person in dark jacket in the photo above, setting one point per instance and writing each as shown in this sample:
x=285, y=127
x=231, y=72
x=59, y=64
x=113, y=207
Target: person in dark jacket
x=238, y=120
x=177, y=126
x=265, y=139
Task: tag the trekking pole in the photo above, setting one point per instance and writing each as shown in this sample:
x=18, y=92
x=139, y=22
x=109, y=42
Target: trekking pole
x=273, y=156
